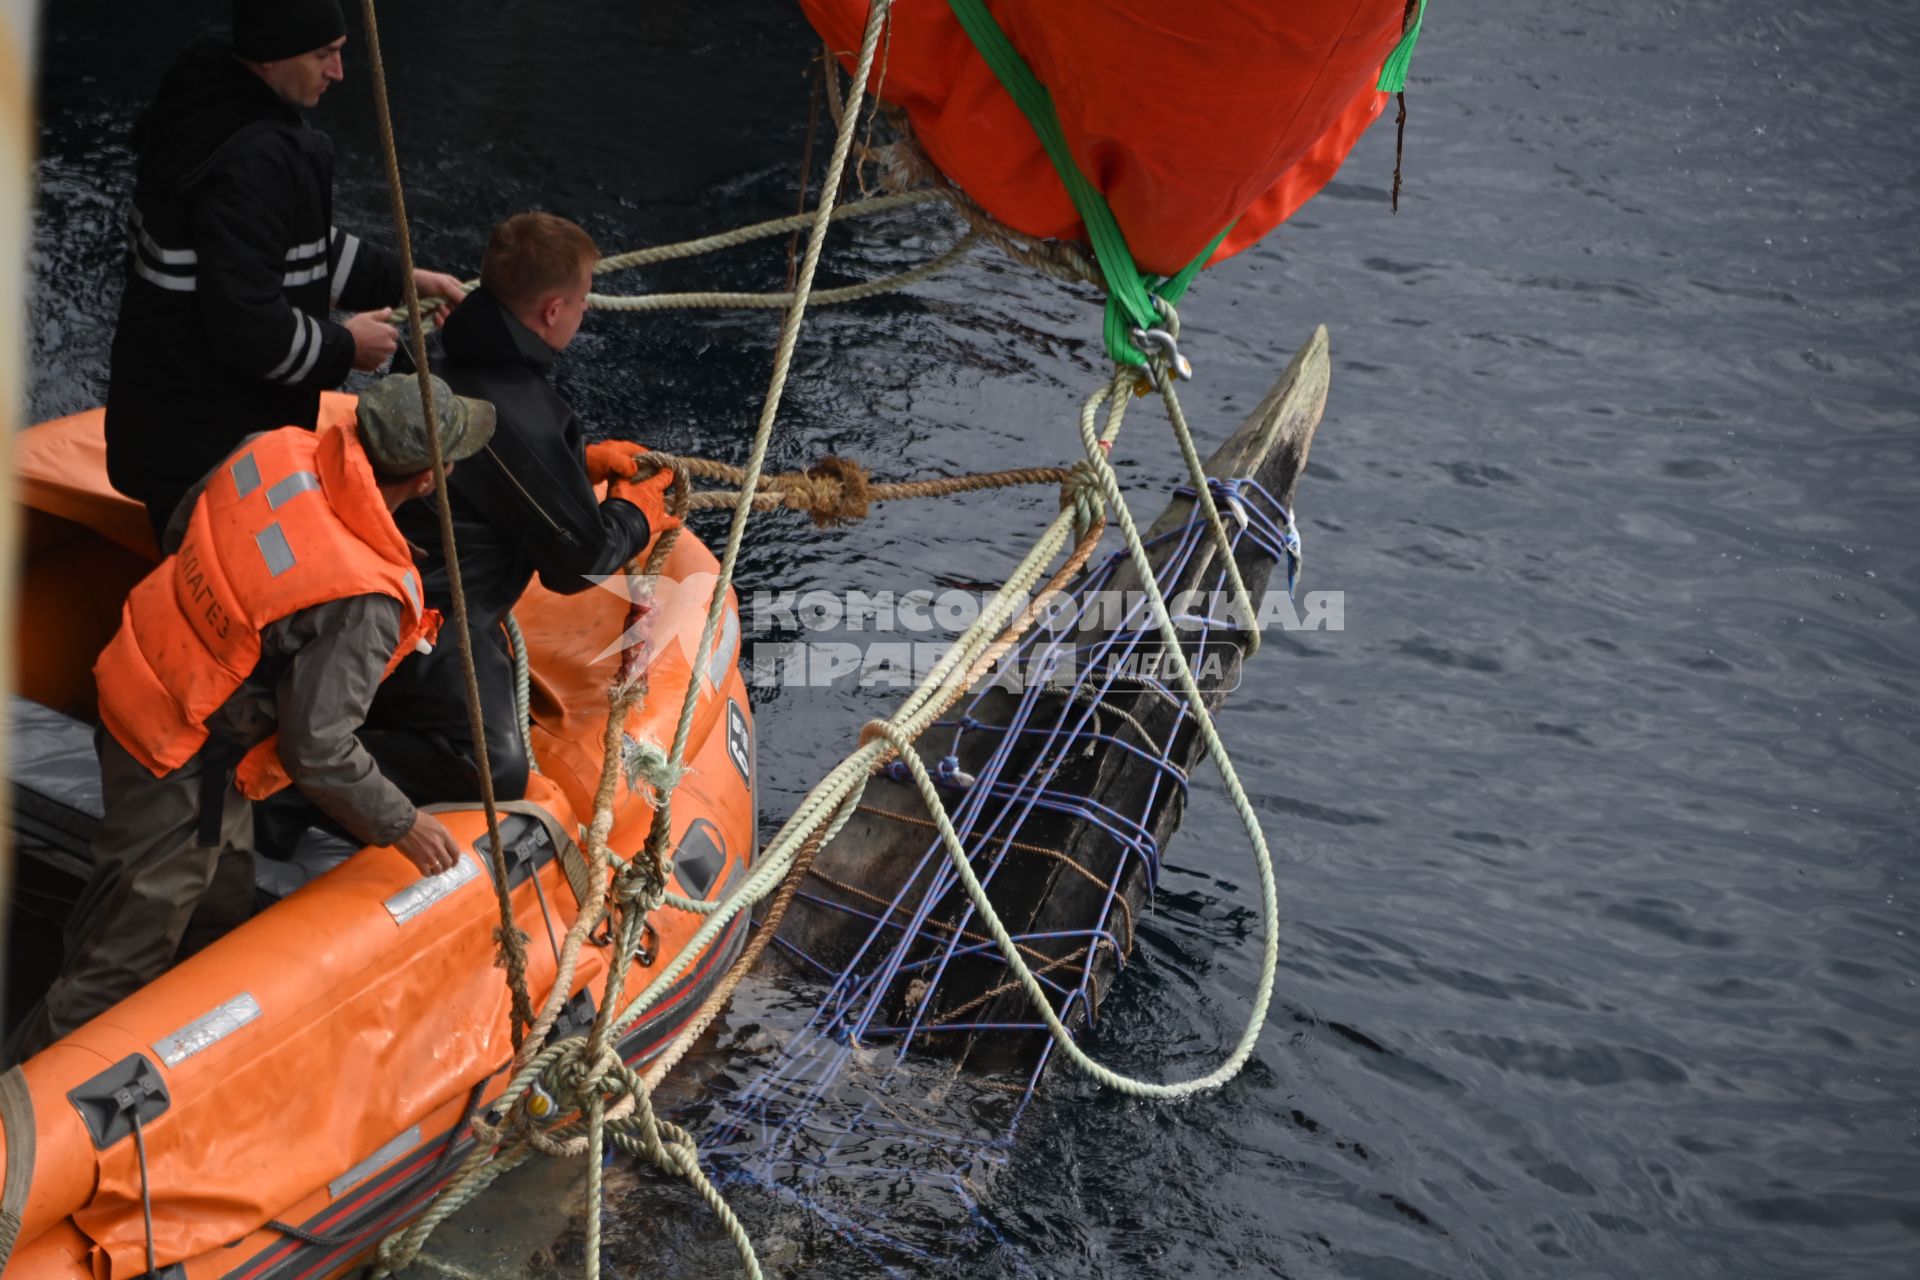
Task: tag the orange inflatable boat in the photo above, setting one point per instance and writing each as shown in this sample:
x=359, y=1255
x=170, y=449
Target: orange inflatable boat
x=1188, y=118
x=303, y=1086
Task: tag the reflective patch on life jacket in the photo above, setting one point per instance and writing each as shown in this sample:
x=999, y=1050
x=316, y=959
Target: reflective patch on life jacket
x=246, y=474
x=287, y=488
x=272, y=542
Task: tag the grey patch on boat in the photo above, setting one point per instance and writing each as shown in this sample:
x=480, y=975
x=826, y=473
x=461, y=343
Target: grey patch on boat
x=380, y=1159
x=207, y=1029
x=725, y=646
x=424, y=892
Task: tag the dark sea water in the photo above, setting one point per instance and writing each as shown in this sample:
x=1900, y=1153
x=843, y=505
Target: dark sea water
x=1596, y=825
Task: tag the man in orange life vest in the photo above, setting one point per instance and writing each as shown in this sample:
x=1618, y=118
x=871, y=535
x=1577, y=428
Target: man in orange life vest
x=289, y=596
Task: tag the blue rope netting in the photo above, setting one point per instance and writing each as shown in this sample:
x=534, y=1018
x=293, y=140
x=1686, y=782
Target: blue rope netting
x=812, y=1137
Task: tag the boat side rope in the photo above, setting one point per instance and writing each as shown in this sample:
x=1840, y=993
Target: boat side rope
x=522, y=689
x=17, y=1124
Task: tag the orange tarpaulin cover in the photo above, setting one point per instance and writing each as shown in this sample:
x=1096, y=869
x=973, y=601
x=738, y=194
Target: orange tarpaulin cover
x=1185, y=116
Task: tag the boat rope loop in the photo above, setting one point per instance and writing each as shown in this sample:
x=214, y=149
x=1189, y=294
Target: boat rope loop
x=522, y=689
x=1136, y=301
x=17, y=1126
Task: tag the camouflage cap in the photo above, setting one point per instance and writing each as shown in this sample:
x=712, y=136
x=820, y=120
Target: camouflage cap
x=392, y=433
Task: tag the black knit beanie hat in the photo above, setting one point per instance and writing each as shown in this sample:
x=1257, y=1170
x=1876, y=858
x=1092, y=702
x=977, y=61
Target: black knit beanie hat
x=268, y=30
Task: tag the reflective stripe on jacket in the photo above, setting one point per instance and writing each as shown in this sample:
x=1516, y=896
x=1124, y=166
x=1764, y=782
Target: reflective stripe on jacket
x=292, y=520
x=233, y=263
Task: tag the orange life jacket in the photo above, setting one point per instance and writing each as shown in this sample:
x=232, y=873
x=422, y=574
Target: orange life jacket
x=292, y=519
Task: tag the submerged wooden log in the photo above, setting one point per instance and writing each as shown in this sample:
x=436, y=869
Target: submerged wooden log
x=1070, y=875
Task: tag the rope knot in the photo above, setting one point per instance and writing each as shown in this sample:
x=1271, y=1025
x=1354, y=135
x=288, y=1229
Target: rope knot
x=572, y=1075
x=558, y=1102
x=647, y=762
x=510, y=943
x=950, y=773
x=834, y=491
x=640, y=884
x=1081, y=489
x=876, y=729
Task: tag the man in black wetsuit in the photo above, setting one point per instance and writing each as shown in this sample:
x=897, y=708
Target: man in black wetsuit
x=234, y=264
x=524, y=506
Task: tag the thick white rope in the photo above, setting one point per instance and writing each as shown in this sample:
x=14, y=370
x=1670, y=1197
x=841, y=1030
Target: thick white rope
x=770, y=409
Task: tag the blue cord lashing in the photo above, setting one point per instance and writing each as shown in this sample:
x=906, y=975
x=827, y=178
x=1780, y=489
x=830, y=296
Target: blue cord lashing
x=787, y=1128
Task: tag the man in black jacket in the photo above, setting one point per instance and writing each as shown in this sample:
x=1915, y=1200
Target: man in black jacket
x=225, y=326
x=526, y=505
